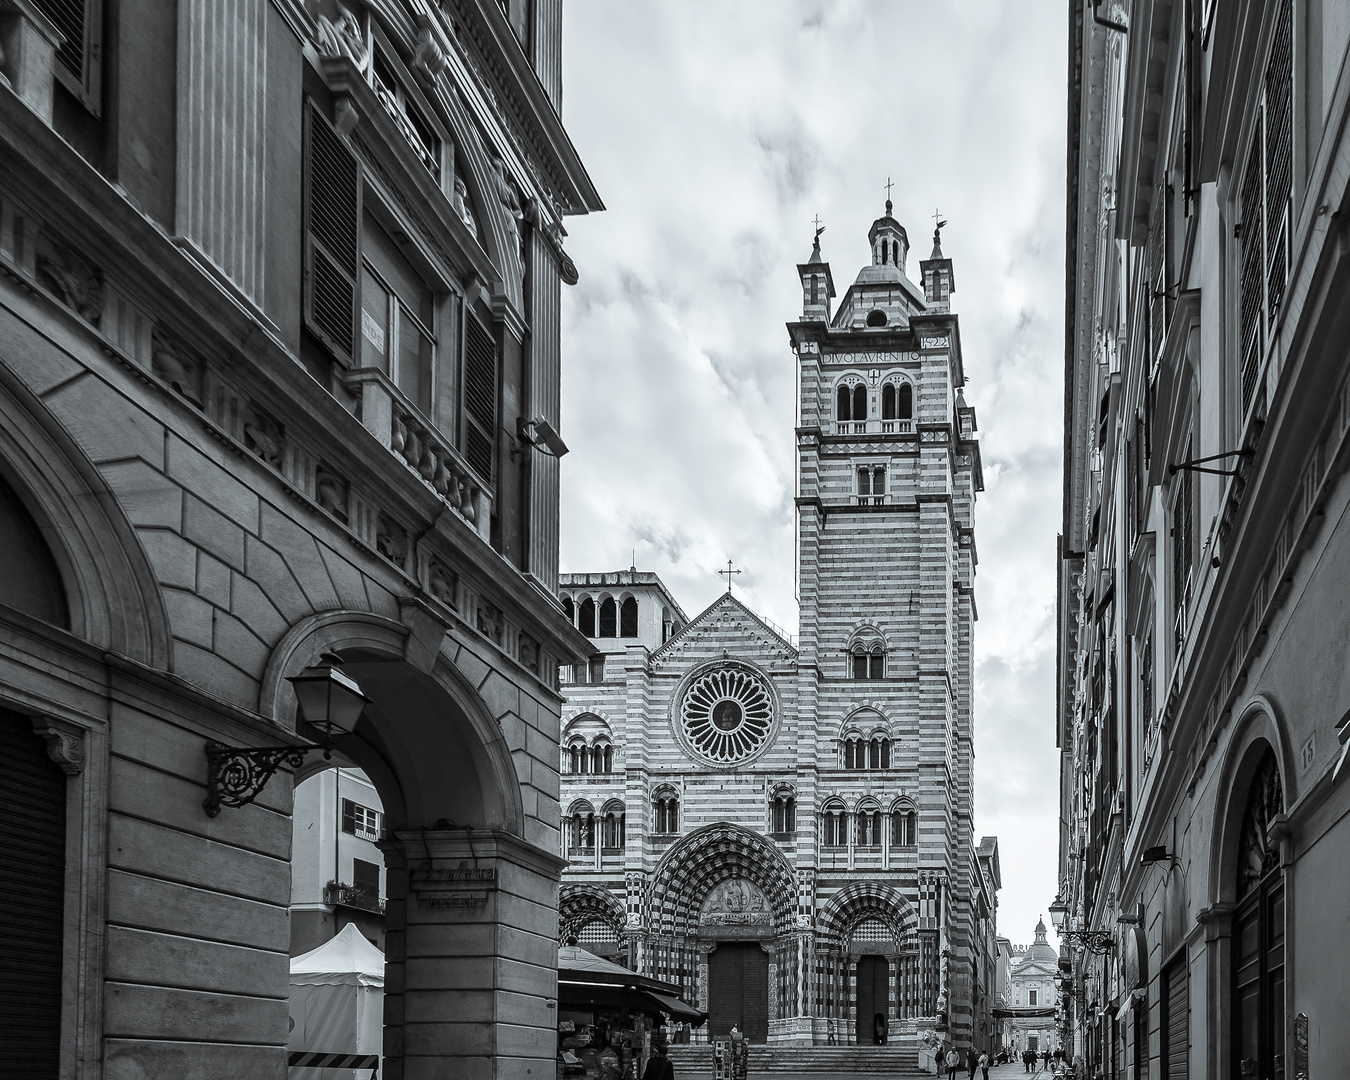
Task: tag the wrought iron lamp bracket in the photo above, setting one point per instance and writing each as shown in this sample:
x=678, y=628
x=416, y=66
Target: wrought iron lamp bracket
x=1094, y=941
x=235, y=776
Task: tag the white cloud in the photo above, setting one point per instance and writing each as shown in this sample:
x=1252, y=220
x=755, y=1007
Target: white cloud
x=715, y=132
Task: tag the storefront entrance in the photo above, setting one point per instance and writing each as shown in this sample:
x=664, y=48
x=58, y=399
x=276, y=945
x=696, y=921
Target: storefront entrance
x=874, y=996
x=738, y=990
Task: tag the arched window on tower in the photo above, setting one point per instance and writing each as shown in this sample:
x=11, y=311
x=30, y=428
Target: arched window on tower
x=843, y=404
x=580, y=828
x=859, y=403
x=574, y=753
x=570, y=610
x=597, y=759
x=609, y=758
x=783, y=814
x=608, y=617
x=905, y=404
x=586, y=617
x=628, y=618
x=612, y=826
x=871, y=485
x=666, y=811
x=902, y=827
x=888, y=402
x=868, y=661
x=834, y=825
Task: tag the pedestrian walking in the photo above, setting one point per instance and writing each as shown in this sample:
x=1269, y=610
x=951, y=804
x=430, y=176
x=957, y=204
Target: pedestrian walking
x=984, y=1065
x=659, y=1067
x=971, y=1062
x=953, y=1063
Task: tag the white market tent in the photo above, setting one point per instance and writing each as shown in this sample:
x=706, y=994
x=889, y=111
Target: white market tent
x=337, y=1000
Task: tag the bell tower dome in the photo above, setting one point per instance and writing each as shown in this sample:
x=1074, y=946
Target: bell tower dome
x=890, y=244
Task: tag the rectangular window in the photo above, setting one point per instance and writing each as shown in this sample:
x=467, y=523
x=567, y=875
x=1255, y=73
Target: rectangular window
x=366, y=878
x=361, y=821
x=597, y=672
x=401, y=104
x=1031, y=997
x=397, y=315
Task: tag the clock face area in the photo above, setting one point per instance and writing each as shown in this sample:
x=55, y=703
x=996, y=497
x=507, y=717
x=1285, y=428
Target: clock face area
x=727, y=714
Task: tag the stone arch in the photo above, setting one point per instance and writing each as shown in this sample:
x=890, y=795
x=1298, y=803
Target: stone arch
x=1257, y=731
x=866, y=720
x=112, y=595
x=705, y=859
x=581, y=904
x=862, y=900
x=418, y=720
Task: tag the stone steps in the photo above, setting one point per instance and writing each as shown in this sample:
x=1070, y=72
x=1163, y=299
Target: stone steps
x=695, y=1061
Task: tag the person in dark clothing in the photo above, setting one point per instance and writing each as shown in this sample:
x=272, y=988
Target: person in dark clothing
x=659, y=1067
x=972, y=1062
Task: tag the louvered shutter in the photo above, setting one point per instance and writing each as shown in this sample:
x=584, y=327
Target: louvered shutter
x=1279, y=147
x=332, y=236
x=1250, y=299
x=480, y=396
x=79, y=59
x=32, y=891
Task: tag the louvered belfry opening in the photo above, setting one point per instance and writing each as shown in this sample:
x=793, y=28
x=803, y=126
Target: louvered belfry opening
x=480, y=396
x=32, y=905
x=332, y=235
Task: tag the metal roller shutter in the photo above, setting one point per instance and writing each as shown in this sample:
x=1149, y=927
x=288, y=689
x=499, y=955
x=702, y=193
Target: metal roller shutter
x=1177, y=1033
x=32, y=894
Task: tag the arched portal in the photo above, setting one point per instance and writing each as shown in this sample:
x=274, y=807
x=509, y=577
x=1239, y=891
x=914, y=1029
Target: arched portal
x=869, y=933
x=722, y=905
x=457, y=867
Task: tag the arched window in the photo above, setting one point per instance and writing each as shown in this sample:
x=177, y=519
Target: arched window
x=834, y=825
x=586, y=617
x=609, y=758
x=581, y=827
x=905, y=406
x=783, y=814
x=888, y=401
x=574, y=755
x=874, y=753
x=628, y=618
x=666, y=808
x=570, y=610
x=868, y=827
x=612, y=825
x=1258, y=929
x=608, y=617
x=597, y=759
x=843, y=401
x=855, y=753
x=584, y=758
x=860, y=402
x=876, y=318
x=902, y=828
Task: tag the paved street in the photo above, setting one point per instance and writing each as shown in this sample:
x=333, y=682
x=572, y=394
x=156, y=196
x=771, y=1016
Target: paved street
x=998, y=1072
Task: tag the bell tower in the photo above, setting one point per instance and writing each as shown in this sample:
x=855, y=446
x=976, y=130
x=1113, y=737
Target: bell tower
x=888, y=471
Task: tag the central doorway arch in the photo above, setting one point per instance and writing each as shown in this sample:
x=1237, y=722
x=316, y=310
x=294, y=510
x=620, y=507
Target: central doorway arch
x=738, y=990
x=874, y=998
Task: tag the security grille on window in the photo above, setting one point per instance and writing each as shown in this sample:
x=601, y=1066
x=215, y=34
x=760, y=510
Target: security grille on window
x=361, y=821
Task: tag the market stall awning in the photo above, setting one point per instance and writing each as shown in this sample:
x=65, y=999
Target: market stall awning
x=589, y=981
x=678, y=1009
x=575, y=964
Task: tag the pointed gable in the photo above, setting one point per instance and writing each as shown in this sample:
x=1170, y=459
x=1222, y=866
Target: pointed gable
x=726, y=627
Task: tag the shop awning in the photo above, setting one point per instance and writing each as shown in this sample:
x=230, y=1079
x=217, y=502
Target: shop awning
x=575, y=964
x=678, y=1009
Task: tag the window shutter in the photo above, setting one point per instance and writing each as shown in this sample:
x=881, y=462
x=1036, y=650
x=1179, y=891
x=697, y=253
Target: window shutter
x=480, y=396
x=1249, y=311
x=348, y=816
x=1157, y=275
x=1279, y=160
x=79, y=60
x=332, y=235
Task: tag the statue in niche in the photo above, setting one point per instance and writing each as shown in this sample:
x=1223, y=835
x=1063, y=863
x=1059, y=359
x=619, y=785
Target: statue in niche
x=341, y=38
x=441, y=584
x=264, y=436
x=70, y=278
x=331, y=494
x=391, y=540
x=174, y=365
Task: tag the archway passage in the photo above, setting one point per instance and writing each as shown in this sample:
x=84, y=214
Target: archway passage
x=32, y=890
x=738, y=990
x=874, y=998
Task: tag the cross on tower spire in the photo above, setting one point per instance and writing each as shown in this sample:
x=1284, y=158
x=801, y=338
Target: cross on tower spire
x=889, y=185
x=727, y=573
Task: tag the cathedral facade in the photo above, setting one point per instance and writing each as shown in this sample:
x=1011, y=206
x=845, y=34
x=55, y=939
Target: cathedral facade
x=783, y=828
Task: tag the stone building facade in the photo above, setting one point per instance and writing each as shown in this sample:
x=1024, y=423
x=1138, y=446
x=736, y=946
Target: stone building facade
x=1033, y=986
x=279, y=366
x=1203, y=698
x=784, y=829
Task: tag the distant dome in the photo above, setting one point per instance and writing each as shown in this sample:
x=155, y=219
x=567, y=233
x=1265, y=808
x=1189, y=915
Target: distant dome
x=1042, y=949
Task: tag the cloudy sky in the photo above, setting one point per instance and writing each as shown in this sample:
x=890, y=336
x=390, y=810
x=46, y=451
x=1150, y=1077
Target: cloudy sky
x=715, y=132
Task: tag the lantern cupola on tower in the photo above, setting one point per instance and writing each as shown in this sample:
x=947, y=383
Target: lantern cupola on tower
x=817, y=283
x=890, y=244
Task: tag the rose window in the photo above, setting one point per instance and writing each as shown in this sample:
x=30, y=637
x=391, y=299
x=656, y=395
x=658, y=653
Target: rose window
x=727, y=714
